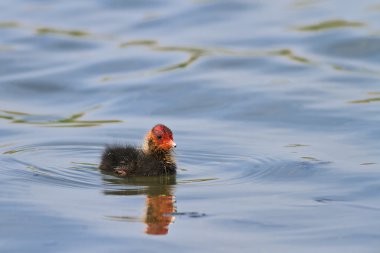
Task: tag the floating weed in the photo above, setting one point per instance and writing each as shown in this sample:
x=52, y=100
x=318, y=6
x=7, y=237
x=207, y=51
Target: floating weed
x=16, y=113
x=46, y=30
x=196, y=53
x=365, y=101
x=9, y=152
x=36, y=171
x=9, y=24
x=74, y=33
x=6, y=117
x=368, y=163
x=72, y=118
x=310, y=158
x=193, y=52
x=289, y=54
x=296, y=145
x=184, y=64
x=138, y=43
x=352, y=69
x=14, y=151
x=368, y=100
x=330, y=24
x=71, y=121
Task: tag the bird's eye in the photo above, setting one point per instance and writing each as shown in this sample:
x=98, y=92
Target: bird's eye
x=159, y=137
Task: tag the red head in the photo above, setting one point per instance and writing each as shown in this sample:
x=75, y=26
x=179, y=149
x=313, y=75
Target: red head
x=160, y=137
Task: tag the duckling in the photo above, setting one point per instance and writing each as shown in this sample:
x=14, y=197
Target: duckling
x=155, y=158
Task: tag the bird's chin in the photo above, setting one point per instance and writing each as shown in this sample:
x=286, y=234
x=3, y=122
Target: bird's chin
x=166, y=147
x=169, y=150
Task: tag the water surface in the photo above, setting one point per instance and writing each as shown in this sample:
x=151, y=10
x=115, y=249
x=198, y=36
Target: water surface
x=274, y=108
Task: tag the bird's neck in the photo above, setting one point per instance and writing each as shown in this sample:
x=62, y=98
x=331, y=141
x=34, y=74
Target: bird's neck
x=165, y=156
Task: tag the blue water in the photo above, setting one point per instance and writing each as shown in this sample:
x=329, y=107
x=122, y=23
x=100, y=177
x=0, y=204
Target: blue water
x=274, y=106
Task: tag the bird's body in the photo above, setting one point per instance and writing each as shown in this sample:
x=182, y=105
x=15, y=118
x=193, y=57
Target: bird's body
x=154, y=159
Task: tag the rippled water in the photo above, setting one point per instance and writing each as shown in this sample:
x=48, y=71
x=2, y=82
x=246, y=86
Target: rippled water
x=274, y=107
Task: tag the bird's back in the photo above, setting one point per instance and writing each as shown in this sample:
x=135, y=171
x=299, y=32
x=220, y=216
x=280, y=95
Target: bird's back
x=131, y=161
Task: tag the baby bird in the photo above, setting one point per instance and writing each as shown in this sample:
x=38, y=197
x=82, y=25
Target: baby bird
x=155, y=158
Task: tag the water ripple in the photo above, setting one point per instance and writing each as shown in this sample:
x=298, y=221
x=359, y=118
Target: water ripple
x=66, y=165
x=47, y=164
x=237, y=169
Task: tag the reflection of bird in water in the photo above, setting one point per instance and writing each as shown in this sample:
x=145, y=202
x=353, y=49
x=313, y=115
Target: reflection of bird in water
x=154, y=159
x=159, y=204
x=159, y=210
